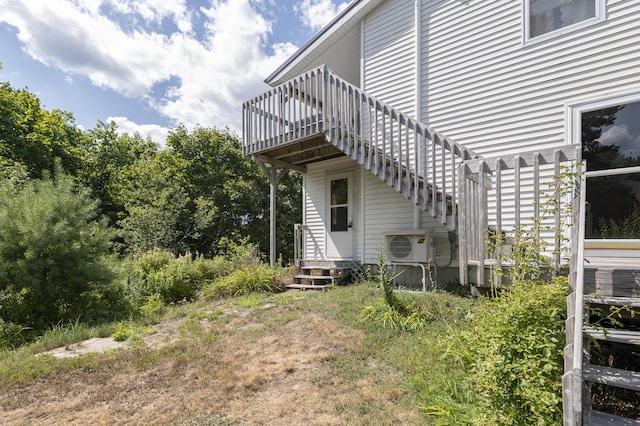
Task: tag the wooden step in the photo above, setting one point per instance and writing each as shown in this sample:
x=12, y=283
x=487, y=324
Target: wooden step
x=612, y=280
x=630, y=337
x=598, y=418
x=329, y=278
x=324, y=270
x=632, y=302
x=612, y=376
x=322, y=287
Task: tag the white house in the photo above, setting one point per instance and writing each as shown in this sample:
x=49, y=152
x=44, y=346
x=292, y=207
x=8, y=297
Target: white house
x=420, y=124
x=495, y=77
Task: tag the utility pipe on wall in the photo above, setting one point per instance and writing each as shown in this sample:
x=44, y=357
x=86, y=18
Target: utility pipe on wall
x=418, y=81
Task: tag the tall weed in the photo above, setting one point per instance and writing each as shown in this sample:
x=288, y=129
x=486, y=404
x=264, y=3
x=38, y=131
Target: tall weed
x=393, y=312
x=251, y=279
x=513, y=348
x=10, y=335
x=161, y=275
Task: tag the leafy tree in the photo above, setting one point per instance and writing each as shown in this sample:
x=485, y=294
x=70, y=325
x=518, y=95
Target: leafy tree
x=12, y=172
x=289, y=207
x=220, y=183
x=159, y=211
x=233, y=191
x=106, y=153
x=52, y=253
x=35, y=137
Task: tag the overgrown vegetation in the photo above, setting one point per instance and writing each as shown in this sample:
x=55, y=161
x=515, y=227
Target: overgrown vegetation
x=392, y=311
x=512, y=348
x=100, y=225
x=53, y=255
x=256, y=278
x=514, y=351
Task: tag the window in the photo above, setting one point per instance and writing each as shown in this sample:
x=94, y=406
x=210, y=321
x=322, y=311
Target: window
x=611, y=148
x=547, y=16
x=339, y=205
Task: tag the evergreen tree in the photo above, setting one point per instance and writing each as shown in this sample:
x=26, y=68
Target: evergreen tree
x=52, y=253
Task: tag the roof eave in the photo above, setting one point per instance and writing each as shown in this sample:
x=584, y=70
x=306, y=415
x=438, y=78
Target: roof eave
x=350, y=16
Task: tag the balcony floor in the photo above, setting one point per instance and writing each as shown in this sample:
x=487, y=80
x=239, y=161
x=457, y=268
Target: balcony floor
x=299, y=152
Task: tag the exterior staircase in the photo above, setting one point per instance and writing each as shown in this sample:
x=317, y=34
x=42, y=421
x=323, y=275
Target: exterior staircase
x=319, y=115
x=602, y=356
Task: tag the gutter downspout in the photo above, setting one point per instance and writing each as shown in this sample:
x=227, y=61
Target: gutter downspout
x=418, y=95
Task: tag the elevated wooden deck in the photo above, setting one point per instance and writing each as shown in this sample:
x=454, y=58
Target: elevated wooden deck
x=318, y=116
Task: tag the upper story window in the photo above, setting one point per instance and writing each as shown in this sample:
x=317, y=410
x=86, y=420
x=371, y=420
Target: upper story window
x=548, y=16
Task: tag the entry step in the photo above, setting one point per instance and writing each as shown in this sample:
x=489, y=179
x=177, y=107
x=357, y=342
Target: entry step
x=617, y=335
x=598, y=418
x=322, y=287
x=632, y=302
x=612, y=376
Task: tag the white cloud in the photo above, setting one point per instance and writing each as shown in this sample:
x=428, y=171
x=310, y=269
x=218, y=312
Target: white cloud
x=155, y=11
x=315, y=14
x=615, y=134
x=209, y=76
x=157, y=133
x=621, y=136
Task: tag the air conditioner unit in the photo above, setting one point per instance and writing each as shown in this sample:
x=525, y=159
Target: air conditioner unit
x=409, y=245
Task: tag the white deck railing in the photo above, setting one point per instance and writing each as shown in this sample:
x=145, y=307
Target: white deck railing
x=404, y=153
x=504, y=194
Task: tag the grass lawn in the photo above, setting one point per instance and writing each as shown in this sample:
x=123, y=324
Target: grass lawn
x=289, y=358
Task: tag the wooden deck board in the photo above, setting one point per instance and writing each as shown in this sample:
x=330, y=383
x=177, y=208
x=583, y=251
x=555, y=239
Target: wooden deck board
x=632, y=302
x=630, y=337
x=612, y=376
x=598, y=418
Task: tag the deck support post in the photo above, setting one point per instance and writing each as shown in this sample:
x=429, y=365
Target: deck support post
x=274, y=177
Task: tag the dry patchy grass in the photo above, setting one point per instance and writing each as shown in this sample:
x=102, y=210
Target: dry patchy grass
x=275, y=363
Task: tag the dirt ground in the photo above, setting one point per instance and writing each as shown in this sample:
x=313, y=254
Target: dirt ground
x=282, y=367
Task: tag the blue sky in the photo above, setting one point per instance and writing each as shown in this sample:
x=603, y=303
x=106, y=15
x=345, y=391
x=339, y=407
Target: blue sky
x=150, y=65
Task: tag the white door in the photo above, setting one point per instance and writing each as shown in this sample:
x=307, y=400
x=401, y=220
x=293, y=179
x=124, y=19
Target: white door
x=341, y=215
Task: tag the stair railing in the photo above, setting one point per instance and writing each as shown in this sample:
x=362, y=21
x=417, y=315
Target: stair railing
x=404, y=153
x=299, y=244
x=572, y=384
x=502, y=194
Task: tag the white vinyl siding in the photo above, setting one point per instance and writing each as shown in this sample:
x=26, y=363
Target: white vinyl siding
x=377, y=208
x=389, y=54
x=389, y=60
x=494, y=95
x=315, y=214
x=385, y=210
x=316, y=208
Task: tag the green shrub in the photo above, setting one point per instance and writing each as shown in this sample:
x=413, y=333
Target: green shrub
x=152, y=261
x=160, y=274
x=153, y=306
x=10, y=335
x=239, y=254
x=214, y=268
x=128, y=331
x=514, y=350
x=254, y=278
x=53, y=253
x=175, y=282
